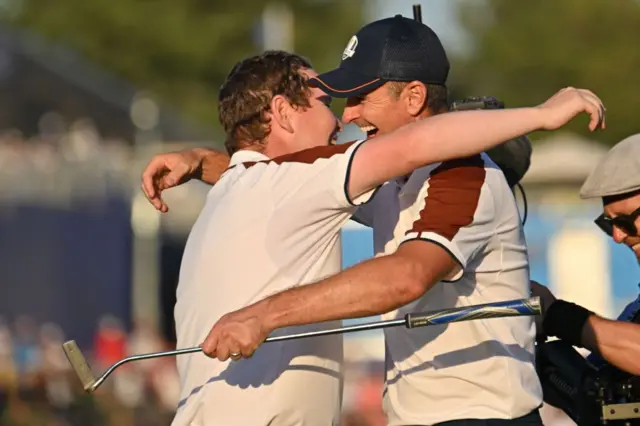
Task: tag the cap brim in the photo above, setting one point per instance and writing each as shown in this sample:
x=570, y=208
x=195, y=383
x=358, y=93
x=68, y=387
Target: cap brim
x=341, y=83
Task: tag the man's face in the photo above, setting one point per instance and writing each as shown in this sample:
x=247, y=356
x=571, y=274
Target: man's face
x=377, y=112
x=316, y=125
x=622, y=233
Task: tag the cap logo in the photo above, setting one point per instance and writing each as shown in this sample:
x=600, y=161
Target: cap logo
x=350, y=50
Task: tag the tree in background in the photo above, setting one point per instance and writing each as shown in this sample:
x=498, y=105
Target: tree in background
x=182, y=50
x=525, y=51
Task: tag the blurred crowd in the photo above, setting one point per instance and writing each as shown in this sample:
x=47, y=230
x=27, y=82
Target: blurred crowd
x=64, y=160
x=39, y=388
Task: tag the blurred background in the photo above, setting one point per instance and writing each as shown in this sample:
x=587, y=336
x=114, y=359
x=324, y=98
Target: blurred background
x=90, y=90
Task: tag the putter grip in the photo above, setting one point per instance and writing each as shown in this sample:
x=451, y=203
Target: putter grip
x=511, y=308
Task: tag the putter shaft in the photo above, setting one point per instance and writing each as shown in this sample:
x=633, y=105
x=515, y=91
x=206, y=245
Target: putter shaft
x=520, y=307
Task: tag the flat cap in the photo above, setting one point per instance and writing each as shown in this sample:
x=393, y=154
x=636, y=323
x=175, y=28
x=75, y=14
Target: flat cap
x=618, y=172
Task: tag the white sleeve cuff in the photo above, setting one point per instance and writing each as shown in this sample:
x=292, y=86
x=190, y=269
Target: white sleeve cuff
x=344, y=180
x=449, y=246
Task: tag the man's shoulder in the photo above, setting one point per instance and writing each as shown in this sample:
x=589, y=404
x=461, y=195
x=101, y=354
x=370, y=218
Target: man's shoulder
x=305, y=156
x=631, y=312
x=473, y=162
x=449, y=175
x=311, y=155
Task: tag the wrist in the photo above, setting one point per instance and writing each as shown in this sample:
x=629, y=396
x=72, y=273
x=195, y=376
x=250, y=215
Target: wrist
x=268, y=320
x=197, y=163
x=537, y=117
x=566, y=321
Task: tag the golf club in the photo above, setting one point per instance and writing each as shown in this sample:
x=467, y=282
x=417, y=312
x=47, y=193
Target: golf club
x=510, y=308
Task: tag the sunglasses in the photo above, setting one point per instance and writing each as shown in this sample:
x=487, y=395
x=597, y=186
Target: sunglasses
x=625, y=222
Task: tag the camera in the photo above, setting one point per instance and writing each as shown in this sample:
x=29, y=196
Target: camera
x=512, y=157
x=476, y=102
x=590, y=395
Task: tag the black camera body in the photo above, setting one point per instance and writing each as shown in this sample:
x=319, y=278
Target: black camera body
x=589, y=395
x=476, y=102
x=514, y=156
x=618, y=397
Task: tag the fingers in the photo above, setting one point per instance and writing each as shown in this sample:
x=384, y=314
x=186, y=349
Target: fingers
x=570, y=102
x=224, y=345
x=235, y=353
x=220, y=346
x=161, y=174
x=595, y=108
x=590, y=94
x=150, y=183
x=210, y=344
x=153, y=169
x=234, y=347
x=222, y=351
x=174, y=177
x=597, y=120
x=154, y=198
x=591, y=104
x=594, y=111
x=228, y=348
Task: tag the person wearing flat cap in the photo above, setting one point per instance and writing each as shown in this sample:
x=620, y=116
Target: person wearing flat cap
x=616, y=180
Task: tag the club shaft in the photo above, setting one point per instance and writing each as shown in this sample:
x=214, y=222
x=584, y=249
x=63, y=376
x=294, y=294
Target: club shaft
x=141, y=357
x=443, y=316
x=340, y=330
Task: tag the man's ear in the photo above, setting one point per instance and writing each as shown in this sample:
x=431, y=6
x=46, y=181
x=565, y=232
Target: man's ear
x=281, y=113
x=415, y=97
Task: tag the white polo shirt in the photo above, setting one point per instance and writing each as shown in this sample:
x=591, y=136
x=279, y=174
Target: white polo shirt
x=475, y=369
x=267, y=225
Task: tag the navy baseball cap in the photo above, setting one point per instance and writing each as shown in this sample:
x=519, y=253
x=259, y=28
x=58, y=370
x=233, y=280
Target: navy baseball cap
x=391, y=49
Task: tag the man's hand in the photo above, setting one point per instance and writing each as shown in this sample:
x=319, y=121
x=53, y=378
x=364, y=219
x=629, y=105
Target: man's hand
x=569, y=102
x=165, y=171
x=237, y=334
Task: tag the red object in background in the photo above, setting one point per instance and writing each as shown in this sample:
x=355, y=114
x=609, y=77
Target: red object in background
x=370, y=394
x=110, y=343
x=369, y=401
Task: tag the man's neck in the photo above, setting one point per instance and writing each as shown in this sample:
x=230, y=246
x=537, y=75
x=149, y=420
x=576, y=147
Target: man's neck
x=275, y=147
x=266, y=148
x=272, y=151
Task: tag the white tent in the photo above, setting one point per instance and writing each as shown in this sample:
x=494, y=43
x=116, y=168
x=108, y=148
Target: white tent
x=563, y=158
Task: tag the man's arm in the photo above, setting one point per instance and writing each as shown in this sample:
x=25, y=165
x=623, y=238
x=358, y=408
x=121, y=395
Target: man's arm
x=372, y=287
x=165, y=171
x=618, y=342
x=461, y=134
x=212, y=165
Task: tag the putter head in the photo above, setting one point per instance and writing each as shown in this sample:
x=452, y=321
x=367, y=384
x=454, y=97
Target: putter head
x=80, y=365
